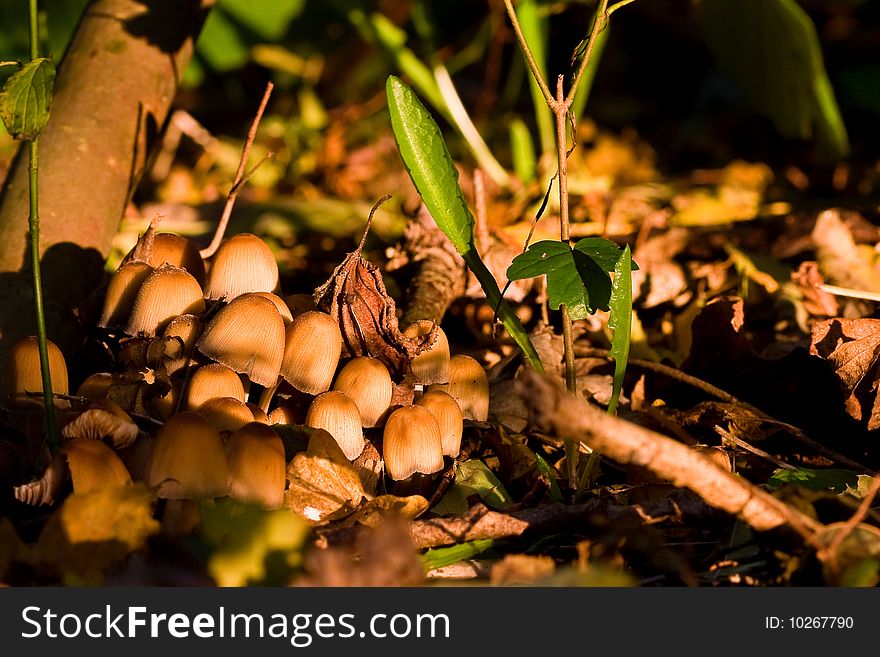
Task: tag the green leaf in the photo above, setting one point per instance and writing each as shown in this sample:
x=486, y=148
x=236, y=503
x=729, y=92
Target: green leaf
x=545, y=470
x=834, y=479
x=534, y=26
x=25, y=99
x=605, y=252
x=434, y=175
x=771, y=49
x=472, y=477
x=522, y=151
x=620, y=321
x=221, y=44
x=446, y=556
x=573, y=277
x=268, y=19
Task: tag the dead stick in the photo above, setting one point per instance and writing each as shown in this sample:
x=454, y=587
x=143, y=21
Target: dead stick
x=832, y=553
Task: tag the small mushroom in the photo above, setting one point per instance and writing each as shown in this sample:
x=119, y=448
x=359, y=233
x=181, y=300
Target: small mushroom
x=411, y=443
x=299, y=303
x=367, y=382
x=243, y=263
x=210, y=382
x=96, y=386
x=257, y=468
x=469, y=386
x=432, y=365
x=23, y=372
x=338, y=415
x=226, y=413
x=103, y=420
x=187, y=328
x=313, y=345
x=283, y=310
x=166, y=405
x=449, y=419
x=259, y=414
x=287, y=414
x=121, y=293
x=248, y=336
x=93, y=465
x=179, y=251
x=167, y=292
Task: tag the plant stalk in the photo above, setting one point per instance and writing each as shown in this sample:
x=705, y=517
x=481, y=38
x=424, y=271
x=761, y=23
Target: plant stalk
x=34, y=230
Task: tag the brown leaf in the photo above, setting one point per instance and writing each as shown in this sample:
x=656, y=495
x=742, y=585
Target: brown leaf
x=816, y=301
x=355, y=296
x=852, y=347
x=521, y=569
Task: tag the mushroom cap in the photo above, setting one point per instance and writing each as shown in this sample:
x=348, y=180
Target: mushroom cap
x=367, y=382
x=283, y=310
x=96, y=386
x=259, y=414
x=165, y=406
x=103, y=420
x=312, y=349
x=167, y=292
x=226, y=413
x=188, y=460
x=23, y=367
x=179, y=251
x=188, y=328
x=243, y=263
x=299, y=303
x=411, y=443
x=210, y=382
x=257, y=468
x=449, y=419
x=287, y=414
x=469, y=385
x=248, y=336
x=93, y=465
x=121, y=293
x=338, y=415
x=432, y=365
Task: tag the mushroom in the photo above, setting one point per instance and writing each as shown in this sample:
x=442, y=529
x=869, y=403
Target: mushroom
x=432, y=365
x=449, y=419
x=313, y=345
x=259, y=414
x=299, y=303
x=338, y=415
x=187, y=327
x=283, y=310
x=96, y=386
x=469, y=386
x=93, y=465
x=121, y=293
x=210, y=382
x=23, y=372
x=104, y=420
x=166, y=405
x=167, y=292
x=411, y=443
x=367, y=382
x=243, y=263
x=287, y=414
x=178, y=251
x=226, y=413
x=257, y=469
x=248, y=336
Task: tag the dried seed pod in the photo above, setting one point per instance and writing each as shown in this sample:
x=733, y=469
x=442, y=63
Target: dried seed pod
x=167, y=292
x=280, y=304
x=226, y=413
x=367, y=382
x=449, y=419
x=432, y=365
x=338, y=415
x=188, y=460
x=188, y=328
x=257, y=469
x=104, y=420
x=248, y=336
x=23, y=368
x=243, y=263
x=93, y=465
x=311, y=353
x=121, y=293
x=210, y=382
x=411, y=443
x=469, y=386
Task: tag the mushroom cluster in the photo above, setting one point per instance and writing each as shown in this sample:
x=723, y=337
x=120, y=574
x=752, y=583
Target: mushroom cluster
x=213, y=351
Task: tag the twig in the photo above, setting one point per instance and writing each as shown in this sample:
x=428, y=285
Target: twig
x=739, y=442
x=832, y=553
x=240, y=177
x=599, y=24
x=527, y=53
x=867, y=295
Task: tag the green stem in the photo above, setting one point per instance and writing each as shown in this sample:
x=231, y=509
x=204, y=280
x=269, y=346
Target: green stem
x=34, y=228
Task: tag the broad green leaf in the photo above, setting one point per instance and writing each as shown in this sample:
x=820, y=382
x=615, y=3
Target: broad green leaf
x=620, y=321
x=446, y=556
x=25, y=99
x=834, y=479
x=573, y=277
x=605, y=252
x=472, y=477
x=268, y=19
x=434, y=175
x=771, y=49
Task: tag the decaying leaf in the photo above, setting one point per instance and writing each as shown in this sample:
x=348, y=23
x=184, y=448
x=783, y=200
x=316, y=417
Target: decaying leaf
x=373, y=512
x=322, y=481
x=521, y=569
x=356, y=298
x=852, y=347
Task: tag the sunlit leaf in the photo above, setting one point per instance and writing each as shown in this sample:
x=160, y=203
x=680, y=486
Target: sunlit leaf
x=446, y=556
x=25, y=99
x=268, y=19
x=620, y=322
x=472, y=477
x=837, y=480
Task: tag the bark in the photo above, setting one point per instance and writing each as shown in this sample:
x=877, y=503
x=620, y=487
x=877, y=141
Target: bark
x=113, y=93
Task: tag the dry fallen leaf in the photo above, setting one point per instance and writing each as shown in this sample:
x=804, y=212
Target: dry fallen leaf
x=521, y=569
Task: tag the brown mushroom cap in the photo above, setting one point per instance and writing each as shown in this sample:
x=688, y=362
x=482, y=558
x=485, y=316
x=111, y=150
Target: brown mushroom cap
x=167, y=292
x=248, y=336
x=188, y=460
x=121, y=293
x=367, y=382
x=287, y=414
x=96, y=386
x=338, y=415
x=299, y=303
x=257, y=469
x=93, y=465
x=312, y=349
x=243, y=263
x=449, y=419
x=178, y=251
x=188, y=328
x=226, y=413
x=469, y=386
x=104, y=420
x=210, y=382
x=23, y=368
x=432, y=365
x=411, y=443
x=283, y=310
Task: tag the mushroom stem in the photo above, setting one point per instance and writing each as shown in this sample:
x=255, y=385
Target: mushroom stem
x=267, y=395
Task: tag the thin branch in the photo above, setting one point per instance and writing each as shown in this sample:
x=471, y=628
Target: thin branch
x=239, y=175
x=527, y=53
x=867, y=295
x=832, y=552
x=599, y=24
x=612, y=9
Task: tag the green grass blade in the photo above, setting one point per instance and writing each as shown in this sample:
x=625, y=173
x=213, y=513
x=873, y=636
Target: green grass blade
x=534, y=27
x=446, y=556
x=620, y=321
x=434, y=175
x=522, y=151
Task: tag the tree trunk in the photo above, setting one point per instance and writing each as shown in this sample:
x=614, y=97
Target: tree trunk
x=113, y=93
